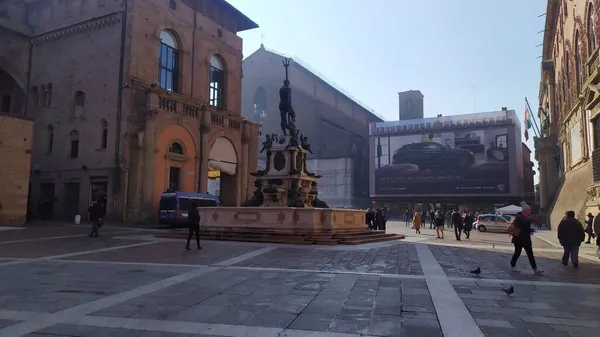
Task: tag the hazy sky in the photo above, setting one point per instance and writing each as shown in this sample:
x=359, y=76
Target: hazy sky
x=377, y=48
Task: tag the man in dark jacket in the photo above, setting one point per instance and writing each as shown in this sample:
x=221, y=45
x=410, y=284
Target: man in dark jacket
x=570, y=236
x=523, y=222
x=96, y=213
x=194, y=225
x=457, y=222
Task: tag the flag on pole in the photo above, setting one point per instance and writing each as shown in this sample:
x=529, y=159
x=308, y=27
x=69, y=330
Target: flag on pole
x=527, y=123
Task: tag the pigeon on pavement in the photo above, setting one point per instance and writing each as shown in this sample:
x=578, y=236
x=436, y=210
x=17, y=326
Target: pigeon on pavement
x=509, y=291
x=476, y=271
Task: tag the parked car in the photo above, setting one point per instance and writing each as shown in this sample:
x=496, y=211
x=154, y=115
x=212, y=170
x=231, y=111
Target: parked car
x=492, y=223
x=433, y=155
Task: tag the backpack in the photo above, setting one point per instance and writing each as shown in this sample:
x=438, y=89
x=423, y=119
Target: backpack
x=513, y=229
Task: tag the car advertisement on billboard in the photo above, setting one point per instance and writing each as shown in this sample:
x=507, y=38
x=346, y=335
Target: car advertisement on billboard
x=443, y=162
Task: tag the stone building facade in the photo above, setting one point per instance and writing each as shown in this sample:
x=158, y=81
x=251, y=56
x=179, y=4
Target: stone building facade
x=336, y=125
x=129, y=97
x=528, y=177
x=569, y=110
x=410, y=105
x=16, y=137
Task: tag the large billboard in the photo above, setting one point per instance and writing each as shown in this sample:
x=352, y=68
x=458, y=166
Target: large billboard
x=435, y=157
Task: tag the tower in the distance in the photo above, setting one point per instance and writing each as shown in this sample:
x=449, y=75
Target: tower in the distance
x=410, y=105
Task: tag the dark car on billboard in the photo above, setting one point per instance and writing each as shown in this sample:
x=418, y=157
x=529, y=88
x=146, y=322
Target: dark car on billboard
x=432, y=155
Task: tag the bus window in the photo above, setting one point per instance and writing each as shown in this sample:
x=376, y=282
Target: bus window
x=184, y=204
x=167, y=203
x=210, y=203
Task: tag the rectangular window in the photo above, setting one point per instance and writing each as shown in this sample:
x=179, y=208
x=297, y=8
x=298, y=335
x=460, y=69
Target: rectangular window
x=167, y=75
x=50, y=142
x=502, y=141
x=575, y=137
x=174, y=178
x=74, y=149
x=104, y=138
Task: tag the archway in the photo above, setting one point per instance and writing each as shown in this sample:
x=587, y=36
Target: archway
x=12, y=97
x=222, y=167
x=174, y=162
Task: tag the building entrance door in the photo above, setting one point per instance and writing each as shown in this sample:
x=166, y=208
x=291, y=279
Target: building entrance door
x=71, y=207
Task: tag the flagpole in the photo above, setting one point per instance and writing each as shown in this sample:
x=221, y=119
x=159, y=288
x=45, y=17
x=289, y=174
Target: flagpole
x=536, y=129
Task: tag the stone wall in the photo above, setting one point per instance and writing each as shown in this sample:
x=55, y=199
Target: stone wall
x=16, y=135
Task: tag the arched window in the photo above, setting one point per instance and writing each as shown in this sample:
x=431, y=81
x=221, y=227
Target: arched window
x=50, y=131
x=43, y=95
x=36, y=96
x=78, y=103
x=578, y=65
x=74, y=150
x=176, y=148
x=217, y=82
x=168, y=63
x=260, y=104
x=591, y=32
x=49, y=94
x=104, y=138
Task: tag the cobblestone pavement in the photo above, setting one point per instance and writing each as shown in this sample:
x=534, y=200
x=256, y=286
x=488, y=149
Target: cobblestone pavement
x=126, y=283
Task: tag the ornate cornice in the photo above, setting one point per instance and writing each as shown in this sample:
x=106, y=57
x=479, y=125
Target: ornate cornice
x=552, y=11
x=83, y=27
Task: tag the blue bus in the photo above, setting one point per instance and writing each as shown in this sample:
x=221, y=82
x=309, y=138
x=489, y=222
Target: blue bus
x=174, y=206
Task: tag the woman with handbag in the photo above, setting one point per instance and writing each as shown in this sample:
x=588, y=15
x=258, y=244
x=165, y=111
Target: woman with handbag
x=521, y=232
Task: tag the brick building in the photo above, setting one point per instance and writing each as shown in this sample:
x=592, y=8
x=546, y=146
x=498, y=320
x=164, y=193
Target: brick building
x=568, y=150
x=336, y=125
x=16, y=133
x=129, y=98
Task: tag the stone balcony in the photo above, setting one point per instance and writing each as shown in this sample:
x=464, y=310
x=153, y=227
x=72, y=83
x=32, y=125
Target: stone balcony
x=185, y=107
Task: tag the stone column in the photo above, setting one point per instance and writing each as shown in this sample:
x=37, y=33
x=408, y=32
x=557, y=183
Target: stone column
x=244, y=178
x=204, y=150
x=541, y=157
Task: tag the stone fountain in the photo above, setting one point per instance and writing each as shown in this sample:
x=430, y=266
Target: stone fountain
x=285, y=206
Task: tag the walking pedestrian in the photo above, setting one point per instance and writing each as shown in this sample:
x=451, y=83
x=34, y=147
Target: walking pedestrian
x=194, y=225
x=589, y=230
x=570, y=235
x=468, y=224
x=407, y=218
x=439, y=224
x=521, y=237
x=431, y=219
x=95, y=214
x=378, y=223
x=369, y=218
x=417, y=222
x=385, y=216
x=457, y=221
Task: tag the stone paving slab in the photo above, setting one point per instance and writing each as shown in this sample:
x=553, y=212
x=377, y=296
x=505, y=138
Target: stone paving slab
x=37, y=249
x=5, y=322
x=68, y=330
x=43, y=232
x=172, y=252
x=396, y=259
x=339, y=303
x=54, y=286
x=458, y=262
x=533, y=310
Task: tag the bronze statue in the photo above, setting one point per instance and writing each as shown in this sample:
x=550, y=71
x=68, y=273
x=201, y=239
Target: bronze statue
x=287, y=114
x=304, y=143
x=267, y=144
